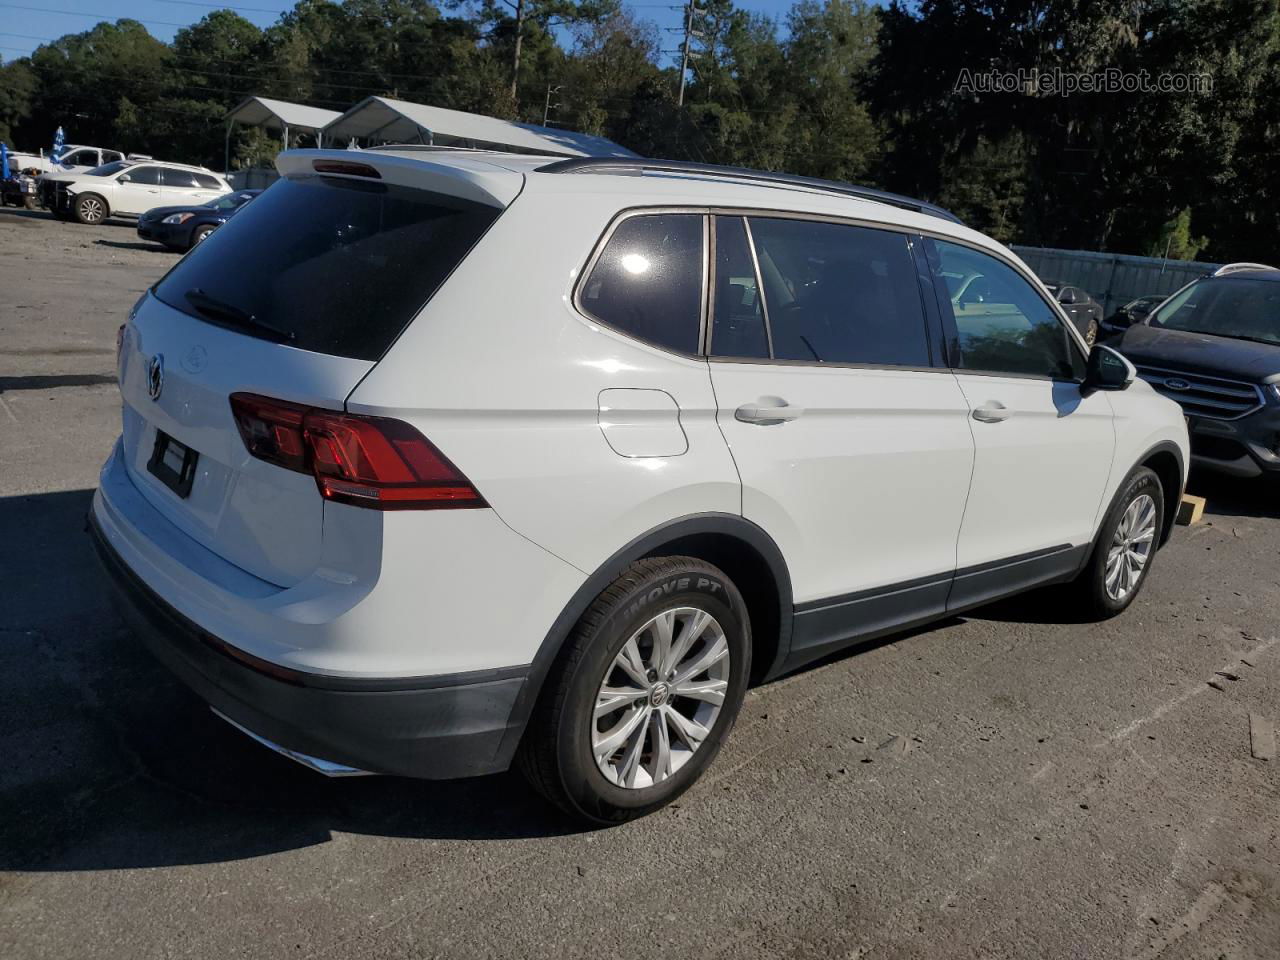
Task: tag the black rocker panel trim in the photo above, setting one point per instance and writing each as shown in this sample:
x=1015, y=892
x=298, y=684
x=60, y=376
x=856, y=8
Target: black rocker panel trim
x=825, y=626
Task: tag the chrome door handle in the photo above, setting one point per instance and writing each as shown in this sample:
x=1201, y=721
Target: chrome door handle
x=767, y=411
x=993, y=411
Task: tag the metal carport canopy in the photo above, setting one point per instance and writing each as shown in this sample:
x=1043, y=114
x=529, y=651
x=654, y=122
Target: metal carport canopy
x=276, y=115
x=281, y=115
x=384, y=120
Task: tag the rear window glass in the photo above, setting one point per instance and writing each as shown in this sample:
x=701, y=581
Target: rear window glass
x=648, y=280
x=326, y=264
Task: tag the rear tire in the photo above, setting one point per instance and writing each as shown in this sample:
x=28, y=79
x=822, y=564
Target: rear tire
x=1125, y=548
x=621, y=729
x=90, y=209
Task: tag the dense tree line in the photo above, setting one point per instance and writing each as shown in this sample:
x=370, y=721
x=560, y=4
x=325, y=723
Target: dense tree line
x=837, y=89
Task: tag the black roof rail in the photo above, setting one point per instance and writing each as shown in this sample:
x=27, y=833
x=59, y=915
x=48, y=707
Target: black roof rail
x=639, y=165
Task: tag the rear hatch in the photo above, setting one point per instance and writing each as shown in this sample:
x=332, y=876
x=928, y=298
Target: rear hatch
x=296, y=298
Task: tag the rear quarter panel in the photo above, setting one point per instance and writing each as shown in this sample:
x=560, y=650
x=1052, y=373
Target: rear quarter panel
x=504, y=375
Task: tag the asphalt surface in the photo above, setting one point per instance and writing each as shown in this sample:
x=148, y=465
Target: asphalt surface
x=1010, y=784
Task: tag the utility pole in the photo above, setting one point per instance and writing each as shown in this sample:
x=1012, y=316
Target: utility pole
x=546, y=107
x=689, y=11
x=515, y=61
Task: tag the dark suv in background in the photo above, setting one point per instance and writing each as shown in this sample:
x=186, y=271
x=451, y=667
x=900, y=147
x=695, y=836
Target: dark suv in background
x=1214, y=347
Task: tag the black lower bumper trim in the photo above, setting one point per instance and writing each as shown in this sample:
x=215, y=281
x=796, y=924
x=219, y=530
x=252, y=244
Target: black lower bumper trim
x=438, y=728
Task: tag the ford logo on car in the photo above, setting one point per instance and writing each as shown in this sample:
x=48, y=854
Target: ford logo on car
x=1174, y=383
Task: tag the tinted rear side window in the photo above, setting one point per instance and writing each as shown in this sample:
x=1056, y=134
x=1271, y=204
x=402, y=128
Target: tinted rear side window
x=177, y=178
x=840, y=294
x=648, y=280
x=338, y=266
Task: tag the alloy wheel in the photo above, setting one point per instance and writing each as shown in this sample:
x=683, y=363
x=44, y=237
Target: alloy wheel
x=91, y=210
x=1131, y=547
x=660, y=697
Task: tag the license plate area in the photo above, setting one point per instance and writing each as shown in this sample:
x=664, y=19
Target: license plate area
x=173, y=464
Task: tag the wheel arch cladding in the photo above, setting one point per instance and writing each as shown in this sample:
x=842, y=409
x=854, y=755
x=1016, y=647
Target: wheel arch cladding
x=1165, y=460
x=746, y=554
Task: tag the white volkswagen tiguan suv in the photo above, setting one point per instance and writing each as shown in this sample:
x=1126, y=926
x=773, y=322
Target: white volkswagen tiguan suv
x=437, y=461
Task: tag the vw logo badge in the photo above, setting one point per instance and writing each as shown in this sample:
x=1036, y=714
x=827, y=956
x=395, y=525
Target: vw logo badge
x=1174, y=383
x=155, y=376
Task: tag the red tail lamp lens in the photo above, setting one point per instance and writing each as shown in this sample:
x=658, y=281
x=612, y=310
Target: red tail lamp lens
x=271, y=430
x=364, y=461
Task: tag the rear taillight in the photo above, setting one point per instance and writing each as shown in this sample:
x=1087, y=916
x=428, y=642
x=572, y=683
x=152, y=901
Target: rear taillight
x=364, y=461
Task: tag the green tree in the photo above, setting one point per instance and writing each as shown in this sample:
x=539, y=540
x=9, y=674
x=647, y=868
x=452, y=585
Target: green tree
x=17, y=93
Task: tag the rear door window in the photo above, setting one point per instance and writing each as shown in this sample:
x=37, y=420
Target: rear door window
x=178, y=178
x=738, y=328
x=647, y=281
x=835, y=293
x=328, y=264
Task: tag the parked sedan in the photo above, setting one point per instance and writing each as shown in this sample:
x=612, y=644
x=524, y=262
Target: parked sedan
x=1083, y=311
x=181, y=228
x=1135, y=311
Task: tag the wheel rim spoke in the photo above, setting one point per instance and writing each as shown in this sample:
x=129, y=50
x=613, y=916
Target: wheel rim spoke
x=691, y=632
x=610, y=699
x=662, y=747
x=690, y=731
x=712, y=691
x=703, y=662
x=620, y=734
x=630, y=764
x=662, y=627
x=632, y=664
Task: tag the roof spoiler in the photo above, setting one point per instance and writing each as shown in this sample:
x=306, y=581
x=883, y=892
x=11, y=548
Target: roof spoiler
x=456, y=175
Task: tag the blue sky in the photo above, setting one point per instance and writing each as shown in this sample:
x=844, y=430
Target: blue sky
x=25, y=24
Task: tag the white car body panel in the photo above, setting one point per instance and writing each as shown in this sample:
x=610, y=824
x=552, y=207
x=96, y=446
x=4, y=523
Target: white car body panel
x=866, y=488
x=1056, y=447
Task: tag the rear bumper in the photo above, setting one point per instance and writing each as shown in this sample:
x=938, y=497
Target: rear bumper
x=440, y=727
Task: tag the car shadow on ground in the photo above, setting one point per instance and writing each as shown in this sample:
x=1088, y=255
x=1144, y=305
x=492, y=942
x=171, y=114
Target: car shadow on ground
x=39, y=214
x=139, y=245
x=111, y=763
x=1228, y=496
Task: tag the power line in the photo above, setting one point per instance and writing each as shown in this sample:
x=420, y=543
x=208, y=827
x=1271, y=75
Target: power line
x=100, y=17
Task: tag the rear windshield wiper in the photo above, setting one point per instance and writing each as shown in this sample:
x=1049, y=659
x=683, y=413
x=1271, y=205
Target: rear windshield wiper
x=228, y=314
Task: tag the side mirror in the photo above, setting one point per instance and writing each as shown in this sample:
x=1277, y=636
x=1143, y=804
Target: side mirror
x=1107, y=370
x=1067, y=296
x=124, y=178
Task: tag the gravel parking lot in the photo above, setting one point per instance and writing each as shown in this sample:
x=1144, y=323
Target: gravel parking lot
x=1007, y=784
